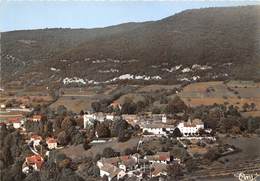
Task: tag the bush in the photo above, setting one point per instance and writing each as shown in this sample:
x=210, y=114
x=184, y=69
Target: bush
x=109, y=152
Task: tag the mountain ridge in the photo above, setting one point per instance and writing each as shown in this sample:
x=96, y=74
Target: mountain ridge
x=208, y=36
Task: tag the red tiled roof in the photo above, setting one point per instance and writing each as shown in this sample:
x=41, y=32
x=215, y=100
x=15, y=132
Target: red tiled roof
x=35, y=159
x=14, y=120
x=2, y=124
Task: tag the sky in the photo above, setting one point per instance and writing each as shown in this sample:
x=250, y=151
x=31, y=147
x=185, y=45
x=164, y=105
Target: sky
x=38, y=14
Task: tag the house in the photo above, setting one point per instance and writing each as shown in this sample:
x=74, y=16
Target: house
x=158, y=169
x=3, y=106
x=159, y=157
x=110, y=117
x=117, y=166
x=131, y=118
x=34, y=161
x=191, y=128
x=88, y=119
x=111, y=171
x=52, y=143
x=36, y=139
x=115, y=105
x=158, y=129
x=16, y=122
x=36, y=118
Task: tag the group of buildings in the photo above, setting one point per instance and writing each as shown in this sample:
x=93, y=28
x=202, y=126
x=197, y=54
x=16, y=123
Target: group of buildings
x=135, y=166
x=156, y=124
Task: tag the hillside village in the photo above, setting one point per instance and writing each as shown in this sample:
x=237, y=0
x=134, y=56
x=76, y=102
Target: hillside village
x=175, y=144
x=175, y=99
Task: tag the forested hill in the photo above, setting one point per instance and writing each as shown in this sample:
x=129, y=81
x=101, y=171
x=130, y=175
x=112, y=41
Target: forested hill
x=200, y=44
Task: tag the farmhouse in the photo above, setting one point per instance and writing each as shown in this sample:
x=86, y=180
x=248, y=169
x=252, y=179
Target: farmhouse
x=159, y=157
x=36, y=139
x=16, y=122
x=88, y=119
x=191, y=128
x=117, y=166
x=159, y=169
x=34, y=161
x=116, y=104
x=111, y=171
x=131, y=118
x=36, y=118
x=52, y=143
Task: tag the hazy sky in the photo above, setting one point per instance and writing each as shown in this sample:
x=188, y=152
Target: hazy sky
x=17, y=15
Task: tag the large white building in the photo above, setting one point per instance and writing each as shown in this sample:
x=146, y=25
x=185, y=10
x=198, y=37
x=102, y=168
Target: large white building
x=191, y=128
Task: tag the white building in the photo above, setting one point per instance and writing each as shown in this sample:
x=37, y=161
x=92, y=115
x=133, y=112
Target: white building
x=110, y=171
x=159, y=157
x=164, y=118
x=88, y=119
x=191, y=128
x=36, y=140
x=158, y=129
x=36, y=118
x=17, y=122
x=110, y=117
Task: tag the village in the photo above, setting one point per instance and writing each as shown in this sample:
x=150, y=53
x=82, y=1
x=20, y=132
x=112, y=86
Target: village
x=142, y=161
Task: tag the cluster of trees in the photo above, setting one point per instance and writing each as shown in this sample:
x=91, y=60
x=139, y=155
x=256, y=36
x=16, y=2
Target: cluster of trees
x=12, y=153
x=226, y=119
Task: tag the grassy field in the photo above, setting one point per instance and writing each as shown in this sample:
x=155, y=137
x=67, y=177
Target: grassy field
x=78, y=152
x=235, y=93
x=26, y=95
x=77, y=99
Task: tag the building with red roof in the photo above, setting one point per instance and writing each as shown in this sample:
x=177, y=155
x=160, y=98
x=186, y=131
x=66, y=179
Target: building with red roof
x=34, y=161
x=52, y=143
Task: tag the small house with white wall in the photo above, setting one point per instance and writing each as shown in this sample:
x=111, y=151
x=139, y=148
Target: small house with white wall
x=36, y=118
x=159, y=157
x=36, y=139
x=52, y=143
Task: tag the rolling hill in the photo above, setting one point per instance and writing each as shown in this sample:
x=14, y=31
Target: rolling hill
x=194, y=45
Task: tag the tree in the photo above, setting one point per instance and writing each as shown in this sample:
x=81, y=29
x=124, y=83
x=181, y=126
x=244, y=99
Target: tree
x=176, y=133
x=63, y=138
x=129, y=107
x=86, y=145
x=61, y=110
x=124, y=135
x=120, y=125
x=96, y=106
x=156, y=110
x=175, y=106
x=67, y=123
x=102, y=130
x=81, y=113
x=174, y=170
x=245, y=107
x=212, y=154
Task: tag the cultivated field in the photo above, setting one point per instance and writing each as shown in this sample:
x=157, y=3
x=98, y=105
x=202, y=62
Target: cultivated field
x=235, y=93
